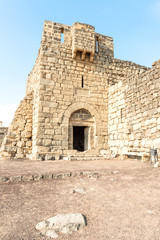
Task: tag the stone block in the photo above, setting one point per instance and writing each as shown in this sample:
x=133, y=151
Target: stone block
x=4, y=179
x=27, y=178
x=16, y=178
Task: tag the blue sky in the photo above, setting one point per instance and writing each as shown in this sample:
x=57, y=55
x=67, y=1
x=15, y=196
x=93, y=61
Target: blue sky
x=133, y=24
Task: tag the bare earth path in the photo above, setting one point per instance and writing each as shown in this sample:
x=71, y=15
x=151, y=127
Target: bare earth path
x=123, y=203
x=18, y=167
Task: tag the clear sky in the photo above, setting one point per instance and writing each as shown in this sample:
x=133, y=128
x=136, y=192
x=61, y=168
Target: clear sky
x=133, y=24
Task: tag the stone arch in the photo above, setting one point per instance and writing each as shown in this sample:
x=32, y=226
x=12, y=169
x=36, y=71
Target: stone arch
x=82, y=105
x=65, y=122
x=81, y=130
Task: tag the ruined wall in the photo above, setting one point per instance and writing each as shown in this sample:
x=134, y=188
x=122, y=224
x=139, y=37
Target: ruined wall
x=18, y=141
x=134, y=111
x=118, y=70
x=3, y=132
x=33, y=76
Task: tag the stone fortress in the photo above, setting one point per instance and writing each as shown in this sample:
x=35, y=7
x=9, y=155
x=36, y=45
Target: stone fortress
x=81, y=101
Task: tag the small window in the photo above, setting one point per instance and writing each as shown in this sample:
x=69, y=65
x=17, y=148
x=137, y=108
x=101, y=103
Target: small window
x=88, y=55
x=79, y=55
x=97, y=44
x=62, y=35
x=82, y=82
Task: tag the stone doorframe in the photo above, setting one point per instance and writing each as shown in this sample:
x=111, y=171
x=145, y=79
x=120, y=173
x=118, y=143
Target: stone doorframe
x=82, y=118
x=67, y=114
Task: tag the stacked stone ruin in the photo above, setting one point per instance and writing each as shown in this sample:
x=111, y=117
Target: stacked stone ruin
x=81, y=101
x=3, y=132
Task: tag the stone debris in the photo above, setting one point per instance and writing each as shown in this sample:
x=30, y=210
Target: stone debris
x=51, y=234
x=49, y=176
x=61, y=223
x=156, y=164
x=3, y=179
x=79, y=190
x=115, y=172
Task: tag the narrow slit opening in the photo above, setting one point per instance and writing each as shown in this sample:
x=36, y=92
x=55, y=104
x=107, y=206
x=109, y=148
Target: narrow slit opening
x=62, y=35
x=82, y=82
x=97, y=45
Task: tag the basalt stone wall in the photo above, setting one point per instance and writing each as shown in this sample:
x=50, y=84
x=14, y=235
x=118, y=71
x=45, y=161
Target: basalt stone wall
x=134, y=111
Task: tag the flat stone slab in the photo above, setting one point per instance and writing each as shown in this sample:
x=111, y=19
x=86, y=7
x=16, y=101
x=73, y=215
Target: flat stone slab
x=64, y=223
x=79, y=190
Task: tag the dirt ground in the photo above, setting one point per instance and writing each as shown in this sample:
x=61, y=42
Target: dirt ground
x=123, y=203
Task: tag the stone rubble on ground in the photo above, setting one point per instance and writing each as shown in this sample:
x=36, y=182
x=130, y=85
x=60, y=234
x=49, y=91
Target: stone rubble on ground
x=156, y=164
x=63, y=223
x=79, y=190
x=115, y=172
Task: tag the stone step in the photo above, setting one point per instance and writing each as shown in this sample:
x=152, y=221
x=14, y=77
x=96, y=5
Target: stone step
x=89, y=158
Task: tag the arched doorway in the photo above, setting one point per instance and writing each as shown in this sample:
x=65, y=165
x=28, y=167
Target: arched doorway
x=81, y=130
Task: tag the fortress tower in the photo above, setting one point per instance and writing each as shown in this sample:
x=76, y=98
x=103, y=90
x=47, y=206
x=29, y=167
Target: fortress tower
x=66, y=108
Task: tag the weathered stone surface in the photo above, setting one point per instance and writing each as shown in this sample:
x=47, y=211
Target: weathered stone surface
x=48, y=176
x=78, y=85
x=64, y=223
x=3, y=179
x=138, y=112
x=79, y=190
x=38, y=177
x=51, y=234
x=3, y=132
x=16, y=178
x=27, y=178
x=17, y=142
x=67, y=223
x=49, y=157
x=42, y=226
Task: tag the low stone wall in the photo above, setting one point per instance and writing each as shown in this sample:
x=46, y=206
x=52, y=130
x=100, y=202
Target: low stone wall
x=51, y=176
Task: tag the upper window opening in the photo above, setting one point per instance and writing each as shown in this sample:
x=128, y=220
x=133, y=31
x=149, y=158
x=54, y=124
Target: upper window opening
x=97, y=44
x=62, y=35
x=88, y=55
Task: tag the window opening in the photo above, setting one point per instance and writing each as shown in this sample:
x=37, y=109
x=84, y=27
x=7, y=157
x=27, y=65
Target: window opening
x=62, y=35
x=88, y=55
x=122, y=112
x=79, y=55
x=82, y=82
x=97, y=45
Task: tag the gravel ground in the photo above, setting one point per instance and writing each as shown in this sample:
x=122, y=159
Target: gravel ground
x=121, y=204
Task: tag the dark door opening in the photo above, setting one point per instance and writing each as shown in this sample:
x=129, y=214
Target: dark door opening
x=79, y=138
